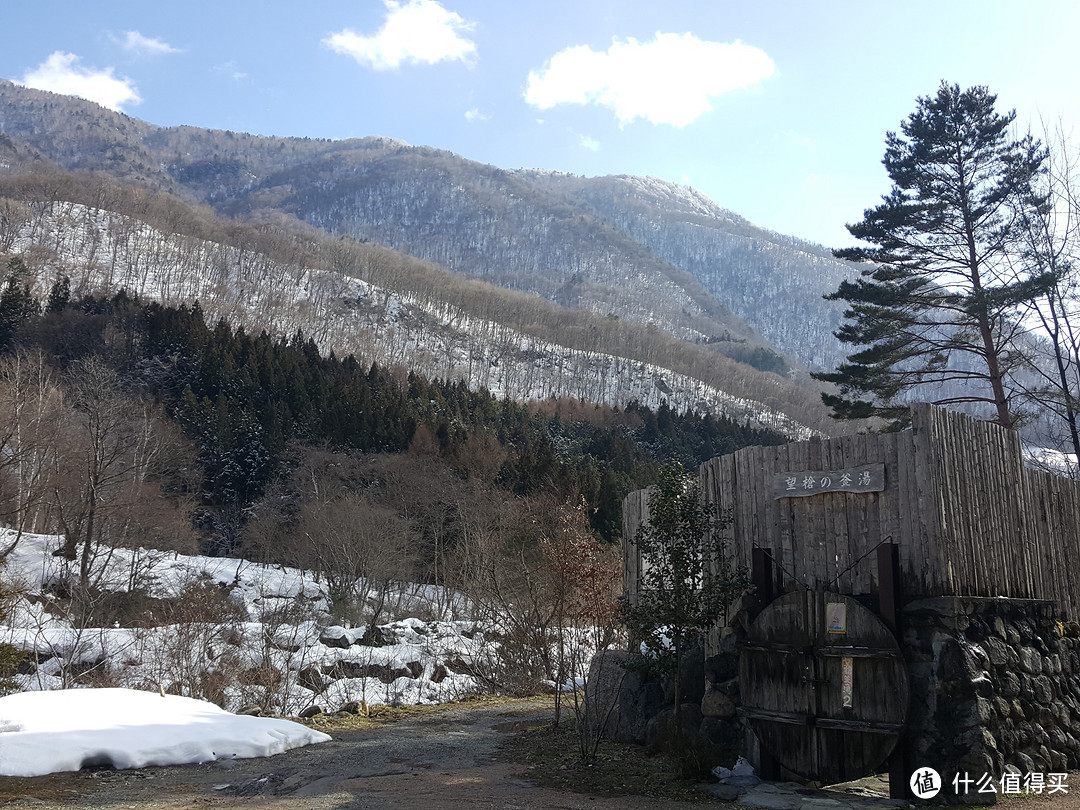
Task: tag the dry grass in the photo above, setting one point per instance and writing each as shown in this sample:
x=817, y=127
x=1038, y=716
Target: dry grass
x=549, y=756
x=379, y=714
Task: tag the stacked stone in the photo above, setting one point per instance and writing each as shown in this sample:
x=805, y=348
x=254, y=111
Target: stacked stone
x=720, y=704
x=993, y=686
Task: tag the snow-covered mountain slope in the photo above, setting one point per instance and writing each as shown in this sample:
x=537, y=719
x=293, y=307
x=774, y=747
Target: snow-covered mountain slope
x=597, y=244
x=102, y=251
x=774, y=283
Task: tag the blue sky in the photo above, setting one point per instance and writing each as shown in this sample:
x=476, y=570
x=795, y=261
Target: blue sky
x=777, y=110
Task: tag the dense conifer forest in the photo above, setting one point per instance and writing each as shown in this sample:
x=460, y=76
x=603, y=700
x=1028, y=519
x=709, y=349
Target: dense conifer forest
x=268, y=431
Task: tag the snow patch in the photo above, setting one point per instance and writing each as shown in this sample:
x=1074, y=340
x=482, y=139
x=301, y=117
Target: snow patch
x=69, y=730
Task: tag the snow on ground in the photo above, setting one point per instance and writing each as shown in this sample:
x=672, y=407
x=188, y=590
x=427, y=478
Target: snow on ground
x=69, y=730
x=1055, y=461
x=281, y=650
x=109, y=252
x=92, y=695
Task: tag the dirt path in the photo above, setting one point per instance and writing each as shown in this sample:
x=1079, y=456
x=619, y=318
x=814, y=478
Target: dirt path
x=441, y=761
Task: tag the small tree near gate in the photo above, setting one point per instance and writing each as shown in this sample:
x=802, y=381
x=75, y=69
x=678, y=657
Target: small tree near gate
x=688, y=580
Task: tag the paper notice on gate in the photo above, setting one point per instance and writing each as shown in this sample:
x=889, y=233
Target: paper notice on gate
x=836, y=617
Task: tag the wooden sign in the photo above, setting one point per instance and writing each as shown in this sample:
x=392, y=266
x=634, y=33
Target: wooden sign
x=847, y=682
x=865, y=478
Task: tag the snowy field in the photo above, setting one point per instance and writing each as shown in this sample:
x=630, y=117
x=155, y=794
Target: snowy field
x=280, y=652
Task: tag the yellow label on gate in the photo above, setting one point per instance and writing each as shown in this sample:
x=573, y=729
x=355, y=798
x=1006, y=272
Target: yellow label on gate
x=836, y=617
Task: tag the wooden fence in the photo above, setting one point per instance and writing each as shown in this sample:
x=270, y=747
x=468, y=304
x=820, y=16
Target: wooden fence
x=969, y=518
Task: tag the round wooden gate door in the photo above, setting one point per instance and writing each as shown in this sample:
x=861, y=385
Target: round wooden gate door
x=823, y=685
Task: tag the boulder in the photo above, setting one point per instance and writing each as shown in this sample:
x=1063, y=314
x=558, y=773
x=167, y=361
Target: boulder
x=375, y=637
x=691, y=676
x=312, y=679
x=660, y=730
x=336, y=636
x=721, y=732
x=622, y=699
x=716, y=704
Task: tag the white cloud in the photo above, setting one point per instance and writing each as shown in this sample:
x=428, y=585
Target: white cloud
x=591, y=144
x=140, y=45
x=61, y=73
x=670, y=80
x=473, y=115
x=416, y=32
x=230, y=69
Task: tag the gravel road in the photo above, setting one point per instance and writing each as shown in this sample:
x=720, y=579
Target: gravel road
x=440, y=761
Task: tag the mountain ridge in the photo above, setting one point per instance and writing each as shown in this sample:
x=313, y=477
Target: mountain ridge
x=532, y=231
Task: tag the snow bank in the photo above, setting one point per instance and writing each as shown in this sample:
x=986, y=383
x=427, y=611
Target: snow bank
x=46, y=732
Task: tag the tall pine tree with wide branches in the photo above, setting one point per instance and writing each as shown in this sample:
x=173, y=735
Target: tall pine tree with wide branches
x=938, y=303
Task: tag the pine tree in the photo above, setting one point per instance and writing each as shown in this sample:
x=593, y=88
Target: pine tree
x=17, y=303
x=939, y=302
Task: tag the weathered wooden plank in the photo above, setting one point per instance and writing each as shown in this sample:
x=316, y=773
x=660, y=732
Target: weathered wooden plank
x=969, y=518
x=634, y=506
x=816, y=512
x=924, y=554
x=858, y=521
x=1018, y=556
x=876, y=453
x=953, y=538
x=973, y=520
x=784, y=554
x=771, y=507
x=1038, y=492
x=837, y=552
x=802, y=549
x=888, y=527
x=906, y=506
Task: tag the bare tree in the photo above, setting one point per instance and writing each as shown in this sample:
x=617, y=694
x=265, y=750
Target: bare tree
x=359, y=549
x=31, y=403
x=1052, y=245
x=111, y=444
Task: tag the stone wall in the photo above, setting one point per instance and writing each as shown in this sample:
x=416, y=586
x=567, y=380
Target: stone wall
x=721, y=724
x=995, y=687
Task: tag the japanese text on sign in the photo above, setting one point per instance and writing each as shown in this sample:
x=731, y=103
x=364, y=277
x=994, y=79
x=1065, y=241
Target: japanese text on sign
x=866, y=478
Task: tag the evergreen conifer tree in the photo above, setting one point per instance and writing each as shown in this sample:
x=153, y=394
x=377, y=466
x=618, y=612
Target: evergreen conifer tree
x=938, y=302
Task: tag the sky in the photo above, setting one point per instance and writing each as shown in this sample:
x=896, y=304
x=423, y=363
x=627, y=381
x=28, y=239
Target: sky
x=776, y=110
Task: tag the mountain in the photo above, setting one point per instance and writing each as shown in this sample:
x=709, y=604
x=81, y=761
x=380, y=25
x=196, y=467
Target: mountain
x=773, y=282
x=650, y=261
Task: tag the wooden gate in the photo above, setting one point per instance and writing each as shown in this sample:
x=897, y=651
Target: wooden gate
x=823, y=685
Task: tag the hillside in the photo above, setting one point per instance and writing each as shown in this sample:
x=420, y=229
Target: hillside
x=611, y=246
x=627, y=325
x=771, y=281
x=377, y=304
